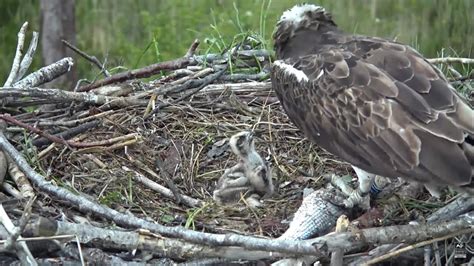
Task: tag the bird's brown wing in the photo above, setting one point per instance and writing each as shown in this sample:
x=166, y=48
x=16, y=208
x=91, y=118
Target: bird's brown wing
x=358, y=111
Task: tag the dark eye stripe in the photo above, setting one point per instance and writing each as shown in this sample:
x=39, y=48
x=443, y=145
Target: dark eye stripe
x=240, y=141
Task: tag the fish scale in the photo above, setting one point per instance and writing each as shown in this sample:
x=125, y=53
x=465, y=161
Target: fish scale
x=318, y=212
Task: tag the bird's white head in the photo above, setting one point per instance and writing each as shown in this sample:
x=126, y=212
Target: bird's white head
x=299, y=13
x=298, y=29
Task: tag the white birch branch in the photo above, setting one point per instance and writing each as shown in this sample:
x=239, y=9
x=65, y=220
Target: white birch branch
x=28, y=58
x=449, y=60
x=46, y=74
x=18, y=54
x=189, y=201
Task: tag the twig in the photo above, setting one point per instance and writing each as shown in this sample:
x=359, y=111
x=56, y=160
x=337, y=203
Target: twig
x=238, y=77
x=70, y=133
x=20, y=179
x=28, y=58
x=52, y=138
x=75, y=122
x=18, y=54
x=427, y=256
x=3, y=166
x=240, y=54
x=25, y=217
x=45, y=74
x=449, y=60
x=89, y=58
x=189, y=201
x=437, y=255
x=59, y=140
x=417, y=245
x=23, y=252
x=192, y=49
x=111, y=141
x=178, y=85
x=168, y=179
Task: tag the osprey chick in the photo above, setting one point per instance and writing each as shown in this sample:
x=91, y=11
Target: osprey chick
x=251, y=174
x=377, y=104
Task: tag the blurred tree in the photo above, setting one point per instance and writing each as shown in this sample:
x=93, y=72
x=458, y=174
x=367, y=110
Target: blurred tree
x=58, y=23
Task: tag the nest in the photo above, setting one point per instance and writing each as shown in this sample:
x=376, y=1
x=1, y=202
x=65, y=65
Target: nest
x=156, y=148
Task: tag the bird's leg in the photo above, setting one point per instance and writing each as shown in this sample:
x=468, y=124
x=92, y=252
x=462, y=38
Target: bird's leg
x=434, y=191
x=254, y=201
x=231, y=185
x=359, y=196
x=229, y=194
x=235, y=172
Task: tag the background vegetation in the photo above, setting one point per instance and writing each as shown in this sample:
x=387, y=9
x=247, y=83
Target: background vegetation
x=136, y=33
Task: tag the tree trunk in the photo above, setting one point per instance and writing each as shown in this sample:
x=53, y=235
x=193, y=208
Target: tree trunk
x=57, y=23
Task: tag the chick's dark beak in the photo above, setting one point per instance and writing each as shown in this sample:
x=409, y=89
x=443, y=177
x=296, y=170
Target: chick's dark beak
x=250, y=135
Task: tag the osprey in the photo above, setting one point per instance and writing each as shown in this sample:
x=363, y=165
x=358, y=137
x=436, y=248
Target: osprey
x=375, y=103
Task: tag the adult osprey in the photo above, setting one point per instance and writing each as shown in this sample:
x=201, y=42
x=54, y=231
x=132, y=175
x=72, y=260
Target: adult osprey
x=377, y=104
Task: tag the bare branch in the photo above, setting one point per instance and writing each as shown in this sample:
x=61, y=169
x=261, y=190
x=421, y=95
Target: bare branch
x=161, y=189
x=58, y=96
x=18, y=54
x=23, y=252
x=67, y=134
x=450, y=60
x=45, y=74
x=89, y=58
x=192, y=49
x=417, y=245
x=28, y=58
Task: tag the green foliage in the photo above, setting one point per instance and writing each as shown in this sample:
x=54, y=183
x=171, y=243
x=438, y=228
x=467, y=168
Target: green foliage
x=137, y=33
x=112, y=197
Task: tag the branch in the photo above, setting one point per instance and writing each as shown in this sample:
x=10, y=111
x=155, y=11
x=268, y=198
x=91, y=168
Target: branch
x=89, y=58
x=351, y=241
x=449, y=60
x=57, y=95
x=18, y=54
x=45, y=74
x=141, y=239
x=20, y=247
x=28, y=58
x=464, y=203
x=189, y=201
x=68, y=134
x=417, y=245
